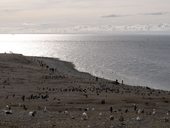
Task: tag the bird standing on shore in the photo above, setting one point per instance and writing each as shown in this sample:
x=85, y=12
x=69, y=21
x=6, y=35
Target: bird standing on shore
x=45, y=109
x=32, y=113
x=111, y=109
x=153, y=111
x=84, y=116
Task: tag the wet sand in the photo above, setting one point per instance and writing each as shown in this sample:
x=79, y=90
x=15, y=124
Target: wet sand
x=41, y=92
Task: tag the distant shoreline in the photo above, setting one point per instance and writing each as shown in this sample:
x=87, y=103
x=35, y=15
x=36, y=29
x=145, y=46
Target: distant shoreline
x=71, y=66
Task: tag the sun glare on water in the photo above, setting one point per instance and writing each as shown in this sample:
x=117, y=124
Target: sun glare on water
x=19, y=43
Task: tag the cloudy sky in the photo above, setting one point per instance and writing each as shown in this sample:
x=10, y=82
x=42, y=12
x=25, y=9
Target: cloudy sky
x=55, y=16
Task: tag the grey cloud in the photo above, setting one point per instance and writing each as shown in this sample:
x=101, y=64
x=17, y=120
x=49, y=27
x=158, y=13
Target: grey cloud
x=156, y=13
x=114, y=16
x=10, y=10
x=29, y=5
x=146, y=14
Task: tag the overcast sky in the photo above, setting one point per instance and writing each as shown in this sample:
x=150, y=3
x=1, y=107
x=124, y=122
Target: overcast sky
x=37, y=15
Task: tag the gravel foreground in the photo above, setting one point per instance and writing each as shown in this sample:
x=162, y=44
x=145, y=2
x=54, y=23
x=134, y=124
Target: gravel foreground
x=41, y=92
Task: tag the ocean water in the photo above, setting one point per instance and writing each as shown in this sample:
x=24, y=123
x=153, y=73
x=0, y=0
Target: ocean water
x=137, y=59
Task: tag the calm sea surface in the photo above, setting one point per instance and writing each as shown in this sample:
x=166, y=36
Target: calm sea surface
x=137, y=59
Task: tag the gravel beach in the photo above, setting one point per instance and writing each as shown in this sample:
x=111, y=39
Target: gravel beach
x=42, y=92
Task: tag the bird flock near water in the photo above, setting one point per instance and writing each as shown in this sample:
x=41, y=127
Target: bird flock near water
x=84, y=115
x=112, y=116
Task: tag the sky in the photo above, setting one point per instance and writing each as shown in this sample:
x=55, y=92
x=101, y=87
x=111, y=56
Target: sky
x=78, y=16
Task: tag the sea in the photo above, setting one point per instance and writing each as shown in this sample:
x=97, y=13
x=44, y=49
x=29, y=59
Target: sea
x=137, y=59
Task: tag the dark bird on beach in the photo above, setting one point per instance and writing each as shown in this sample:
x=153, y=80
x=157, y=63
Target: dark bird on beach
x=111, y=109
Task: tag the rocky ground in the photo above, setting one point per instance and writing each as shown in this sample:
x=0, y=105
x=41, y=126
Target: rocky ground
x=38, y=92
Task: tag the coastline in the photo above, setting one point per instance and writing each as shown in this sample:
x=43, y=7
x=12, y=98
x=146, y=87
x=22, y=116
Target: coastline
x=60, y=94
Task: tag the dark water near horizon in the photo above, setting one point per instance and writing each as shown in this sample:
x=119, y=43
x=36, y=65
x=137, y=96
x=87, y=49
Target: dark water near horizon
x=137, y=59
